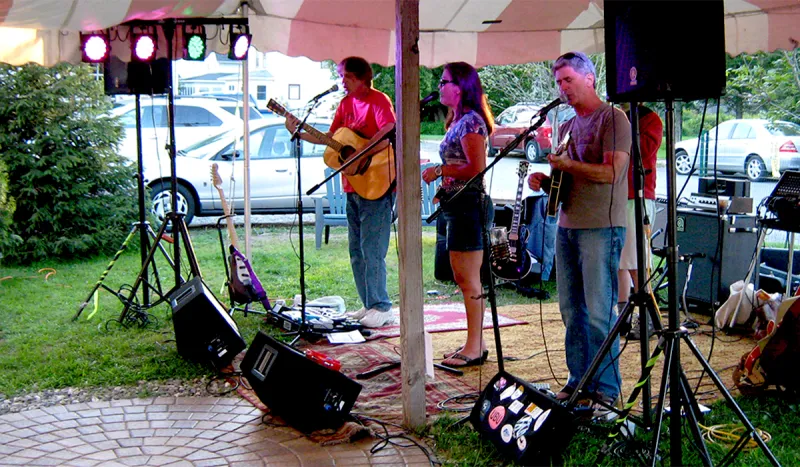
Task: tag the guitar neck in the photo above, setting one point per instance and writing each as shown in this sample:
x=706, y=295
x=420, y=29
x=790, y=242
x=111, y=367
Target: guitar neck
x=229, y=220
x=514, y=232
x=327, y=140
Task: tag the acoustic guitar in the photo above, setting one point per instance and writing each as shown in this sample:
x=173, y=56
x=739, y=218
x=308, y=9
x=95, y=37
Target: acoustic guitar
x=243, y=284
x=558, y=184
x=375, y=173
x=511, y=259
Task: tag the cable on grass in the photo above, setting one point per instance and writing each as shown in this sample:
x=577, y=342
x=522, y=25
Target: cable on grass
x=387, y=438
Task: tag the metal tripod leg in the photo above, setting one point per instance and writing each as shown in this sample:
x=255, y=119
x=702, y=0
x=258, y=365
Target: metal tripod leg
x=100, y=282
x=180, y=232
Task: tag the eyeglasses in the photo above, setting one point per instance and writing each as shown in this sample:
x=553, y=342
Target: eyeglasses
x=443, y=82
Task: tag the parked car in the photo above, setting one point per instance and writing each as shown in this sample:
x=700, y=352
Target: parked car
x=273, y=172
x=195, y=119
x=513, y=121
x=754, y=146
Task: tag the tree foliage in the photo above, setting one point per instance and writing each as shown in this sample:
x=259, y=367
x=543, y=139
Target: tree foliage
x=74, y=195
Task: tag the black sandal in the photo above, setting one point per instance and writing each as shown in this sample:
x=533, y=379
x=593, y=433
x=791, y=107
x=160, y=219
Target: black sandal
x=468, y=361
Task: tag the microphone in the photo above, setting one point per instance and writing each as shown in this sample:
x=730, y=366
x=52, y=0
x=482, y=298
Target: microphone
x=560, y=100
x=319, y=96
x=430, y=97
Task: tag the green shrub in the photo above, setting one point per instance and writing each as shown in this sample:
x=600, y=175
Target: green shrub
x=7, y=238
x=74, y=195
x=431, y=128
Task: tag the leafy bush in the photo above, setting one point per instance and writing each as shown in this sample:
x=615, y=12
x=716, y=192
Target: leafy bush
x=431, y=128
x=74, y=195
x=7, y=238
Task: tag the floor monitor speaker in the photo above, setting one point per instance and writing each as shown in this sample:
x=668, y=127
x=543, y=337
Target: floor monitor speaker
x=646, y=64
x=524, y=423
x=306, y=394
x=702, y=232
x=204, y=332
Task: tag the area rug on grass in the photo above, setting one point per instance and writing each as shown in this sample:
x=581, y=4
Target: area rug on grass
x=380, y=398
x=441, y=318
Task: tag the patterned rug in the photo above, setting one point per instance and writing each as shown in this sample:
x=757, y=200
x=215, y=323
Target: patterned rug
x=381, y=398
x=441, y=318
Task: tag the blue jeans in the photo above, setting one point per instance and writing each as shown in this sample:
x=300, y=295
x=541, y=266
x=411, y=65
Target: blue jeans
x=586, y=270
x=369, y=225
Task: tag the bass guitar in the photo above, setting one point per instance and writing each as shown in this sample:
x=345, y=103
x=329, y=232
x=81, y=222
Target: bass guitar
x=243, y=284
x=511, y=260
x=558, y=184
x=375, y=174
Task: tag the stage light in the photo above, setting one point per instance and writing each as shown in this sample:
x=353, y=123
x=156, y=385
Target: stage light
x=143, y=47
x=194, y=43
x=240, y=43
x=95, y=47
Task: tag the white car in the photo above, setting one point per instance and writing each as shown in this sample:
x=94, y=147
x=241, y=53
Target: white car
x=273, y=172
x=753, y=146
x=195, y=119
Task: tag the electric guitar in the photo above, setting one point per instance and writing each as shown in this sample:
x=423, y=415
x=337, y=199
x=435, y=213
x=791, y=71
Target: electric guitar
x=375, y=173
x=558, y=184
x=511, y=260
x=244, y=284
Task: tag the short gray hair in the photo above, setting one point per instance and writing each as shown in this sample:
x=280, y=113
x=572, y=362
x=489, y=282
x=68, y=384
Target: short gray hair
x=579, y=62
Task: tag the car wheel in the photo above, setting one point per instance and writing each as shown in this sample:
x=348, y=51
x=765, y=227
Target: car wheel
x=532, y=151
x=161, y=202
x=754, y=168
x=683, y=163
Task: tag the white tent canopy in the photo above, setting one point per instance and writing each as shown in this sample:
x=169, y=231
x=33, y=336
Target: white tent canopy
x=480, y=32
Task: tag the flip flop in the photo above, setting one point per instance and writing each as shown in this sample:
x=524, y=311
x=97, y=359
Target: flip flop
x=467, y=361
x=484, y=355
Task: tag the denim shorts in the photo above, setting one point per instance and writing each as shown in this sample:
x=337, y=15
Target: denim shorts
x=463, y=217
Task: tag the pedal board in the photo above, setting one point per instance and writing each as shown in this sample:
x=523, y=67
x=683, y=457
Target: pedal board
x=290, y=319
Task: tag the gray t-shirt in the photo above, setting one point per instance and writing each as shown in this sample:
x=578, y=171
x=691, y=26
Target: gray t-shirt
x=591, y=205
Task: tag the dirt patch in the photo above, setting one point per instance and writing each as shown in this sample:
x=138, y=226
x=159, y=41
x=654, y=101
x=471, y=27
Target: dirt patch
x=537, y=350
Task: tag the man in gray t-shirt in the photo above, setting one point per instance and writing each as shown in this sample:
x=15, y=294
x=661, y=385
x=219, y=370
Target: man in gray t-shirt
x=591, y=226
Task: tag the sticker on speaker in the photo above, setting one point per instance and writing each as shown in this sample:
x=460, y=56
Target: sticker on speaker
x=508, y=391
x=541, y=419
x=506, y=432
x=516, y=406
x=522, y=443
x=530, y=408
x=522, y=426
x=518, y=392
x=485, y=406
x=500, y=384
x=496, y=416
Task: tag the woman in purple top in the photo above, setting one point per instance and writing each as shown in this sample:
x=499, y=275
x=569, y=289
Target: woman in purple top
x=463, y=151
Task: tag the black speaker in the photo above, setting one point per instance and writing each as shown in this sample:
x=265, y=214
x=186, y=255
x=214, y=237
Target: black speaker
x=698, y=232
x=723, y=186
x=647, y=64
x=306, y=394
x=136, y=77
x=524, y=423
x=204, y=332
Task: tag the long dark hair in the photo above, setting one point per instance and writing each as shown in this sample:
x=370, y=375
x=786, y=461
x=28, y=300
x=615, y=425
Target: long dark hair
x=472, y=97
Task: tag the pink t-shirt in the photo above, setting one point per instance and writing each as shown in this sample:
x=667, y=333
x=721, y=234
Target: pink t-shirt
x=364, y=116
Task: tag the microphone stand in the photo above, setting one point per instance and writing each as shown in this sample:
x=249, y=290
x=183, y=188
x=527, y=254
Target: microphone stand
x=298, y=145
x=472, y=181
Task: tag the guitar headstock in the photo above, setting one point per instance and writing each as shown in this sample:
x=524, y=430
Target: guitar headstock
x=274, y=106
x=216, y=180
x=562, y=146
x=522, y=170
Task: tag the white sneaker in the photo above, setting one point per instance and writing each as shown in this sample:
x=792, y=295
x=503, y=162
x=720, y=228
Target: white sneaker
x=377, y=319
x=357, y=315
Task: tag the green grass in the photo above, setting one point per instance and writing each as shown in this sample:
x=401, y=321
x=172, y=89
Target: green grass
x=42, y=348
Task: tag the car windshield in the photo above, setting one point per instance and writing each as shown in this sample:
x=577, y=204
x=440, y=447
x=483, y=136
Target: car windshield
x=525, y=117
x=783, y=129
x=210, y=145
x=235, y=109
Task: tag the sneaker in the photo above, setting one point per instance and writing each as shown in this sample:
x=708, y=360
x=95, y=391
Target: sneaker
x=601, y=409
x=357, y=315
x=633, y=335
x=376, y=318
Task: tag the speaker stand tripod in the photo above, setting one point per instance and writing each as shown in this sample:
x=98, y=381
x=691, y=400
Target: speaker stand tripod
x=146, y=235
x=681, y=402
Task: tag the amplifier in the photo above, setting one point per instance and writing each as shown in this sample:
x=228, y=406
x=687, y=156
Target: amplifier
x=307, y=395
x=699, y=232
x=524, y=423
x=723, y=187
x=204, y=332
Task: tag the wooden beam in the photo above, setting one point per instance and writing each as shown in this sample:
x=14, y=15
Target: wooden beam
x=409, y=199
